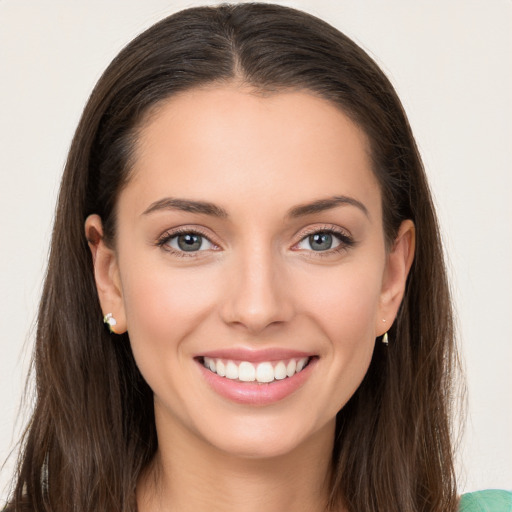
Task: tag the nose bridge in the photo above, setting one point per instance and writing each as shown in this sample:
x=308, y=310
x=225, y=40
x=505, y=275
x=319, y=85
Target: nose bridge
x=257, y=297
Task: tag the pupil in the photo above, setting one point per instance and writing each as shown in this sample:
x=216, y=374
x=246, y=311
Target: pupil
x=320, y=241
x=189, y=242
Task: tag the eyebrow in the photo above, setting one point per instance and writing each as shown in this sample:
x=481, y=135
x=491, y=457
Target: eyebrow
x=206, y=208
x=186, y=205
x=322, y=205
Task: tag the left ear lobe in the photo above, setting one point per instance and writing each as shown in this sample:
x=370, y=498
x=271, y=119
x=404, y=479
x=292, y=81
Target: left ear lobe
x=106, y=274
x=398, y=264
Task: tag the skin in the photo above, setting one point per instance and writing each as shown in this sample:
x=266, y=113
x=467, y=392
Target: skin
x=257, y=284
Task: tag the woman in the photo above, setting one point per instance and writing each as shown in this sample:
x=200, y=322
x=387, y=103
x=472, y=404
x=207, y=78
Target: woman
x=245, y=207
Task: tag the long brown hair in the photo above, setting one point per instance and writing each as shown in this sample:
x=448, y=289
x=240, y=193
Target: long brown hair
x=92, y=431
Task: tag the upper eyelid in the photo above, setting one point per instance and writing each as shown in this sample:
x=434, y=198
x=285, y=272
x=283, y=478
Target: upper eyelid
x=180, y=230
x=323, y=228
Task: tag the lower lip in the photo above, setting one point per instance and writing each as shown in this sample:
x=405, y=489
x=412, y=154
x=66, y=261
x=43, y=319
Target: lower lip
x=254, y=393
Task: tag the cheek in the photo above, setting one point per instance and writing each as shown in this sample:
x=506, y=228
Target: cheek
x=163, y=306
x=343, y=304
x=343, y=301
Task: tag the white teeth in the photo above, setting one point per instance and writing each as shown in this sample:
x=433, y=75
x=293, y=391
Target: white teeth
x=301, y=363
x=263, y=372
x=280, y=371
x=221, y=368
x=246, y=372
x=231, y=370
x=290, y=369
x=210, y=363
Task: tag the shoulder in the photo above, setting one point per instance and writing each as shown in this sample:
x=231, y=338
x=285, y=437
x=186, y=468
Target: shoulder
x=491, y=500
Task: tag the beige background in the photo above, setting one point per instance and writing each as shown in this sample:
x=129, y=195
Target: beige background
x=451, y=64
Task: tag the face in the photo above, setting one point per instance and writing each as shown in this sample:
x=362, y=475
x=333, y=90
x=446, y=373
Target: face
x=250, y=267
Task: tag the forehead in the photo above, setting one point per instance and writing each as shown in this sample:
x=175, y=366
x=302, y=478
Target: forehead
x=223, y=143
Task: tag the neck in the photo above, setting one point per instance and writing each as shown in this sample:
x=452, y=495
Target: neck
x=196, y=476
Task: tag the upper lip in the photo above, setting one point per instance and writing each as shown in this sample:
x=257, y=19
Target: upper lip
x=255, y=355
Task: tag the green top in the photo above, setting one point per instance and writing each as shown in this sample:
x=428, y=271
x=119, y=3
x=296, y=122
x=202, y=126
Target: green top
x=490, y=500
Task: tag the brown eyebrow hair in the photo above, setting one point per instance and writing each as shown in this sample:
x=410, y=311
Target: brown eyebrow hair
x=206, y=208
x=326, y=204
x=186, y=205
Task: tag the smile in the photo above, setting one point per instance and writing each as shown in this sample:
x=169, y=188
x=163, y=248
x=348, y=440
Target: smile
x=256, y=377
x=262, y=372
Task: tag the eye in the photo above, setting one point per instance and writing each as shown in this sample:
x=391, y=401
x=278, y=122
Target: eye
x=188, y=241
x=321, y=241
x=325, y=241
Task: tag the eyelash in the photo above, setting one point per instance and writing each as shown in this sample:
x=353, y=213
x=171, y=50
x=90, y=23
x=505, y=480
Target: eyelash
x=345, y=241
x=169, y=235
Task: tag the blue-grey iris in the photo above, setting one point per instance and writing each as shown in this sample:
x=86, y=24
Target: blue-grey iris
x=320, y=241
x=190, y=242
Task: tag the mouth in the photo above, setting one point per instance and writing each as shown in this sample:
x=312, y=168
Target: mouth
x=263, y=372
x=256, y=378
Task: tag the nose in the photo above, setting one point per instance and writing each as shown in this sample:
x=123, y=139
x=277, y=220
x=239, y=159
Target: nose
x=256, y=294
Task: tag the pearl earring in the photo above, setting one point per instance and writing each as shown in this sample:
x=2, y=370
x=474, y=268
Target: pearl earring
x=110, y=321
x=385, y=339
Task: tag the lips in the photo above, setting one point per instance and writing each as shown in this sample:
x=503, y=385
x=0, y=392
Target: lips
x=256, y=377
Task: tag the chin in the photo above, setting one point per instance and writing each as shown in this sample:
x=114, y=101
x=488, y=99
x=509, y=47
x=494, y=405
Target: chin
x=266, y=438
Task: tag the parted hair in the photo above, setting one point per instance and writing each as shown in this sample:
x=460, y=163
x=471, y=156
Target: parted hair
x=92, y=429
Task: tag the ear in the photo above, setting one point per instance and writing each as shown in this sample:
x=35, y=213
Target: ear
x=106, y=273
x=398, y=264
